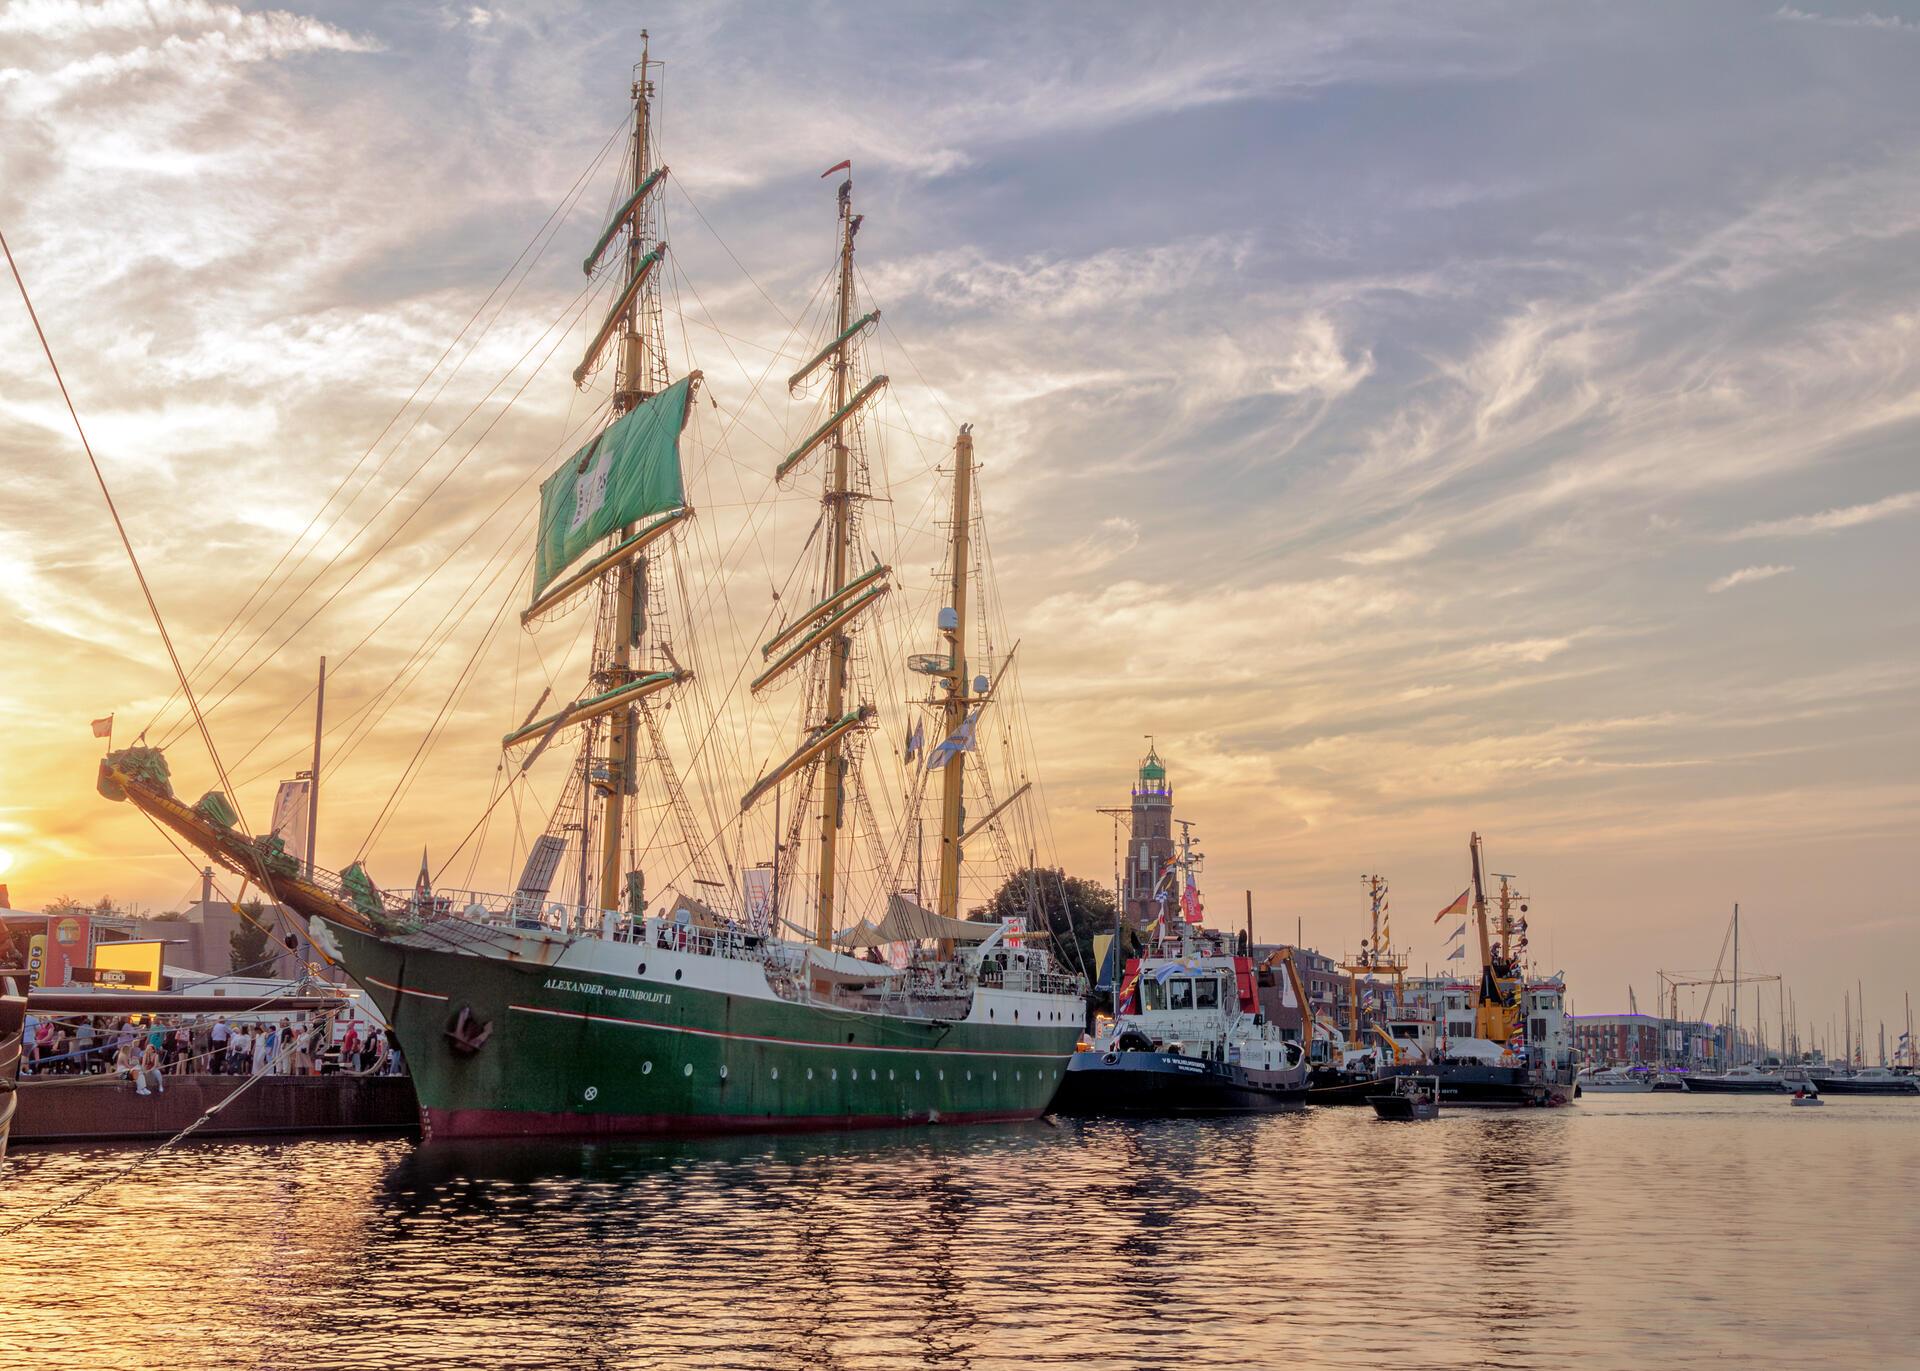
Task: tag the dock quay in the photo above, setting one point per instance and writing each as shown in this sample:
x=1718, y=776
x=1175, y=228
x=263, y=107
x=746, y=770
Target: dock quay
x=63, y=1109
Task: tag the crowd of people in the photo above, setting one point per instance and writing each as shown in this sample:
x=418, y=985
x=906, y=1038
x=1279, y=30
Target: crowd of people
x=147, y=1048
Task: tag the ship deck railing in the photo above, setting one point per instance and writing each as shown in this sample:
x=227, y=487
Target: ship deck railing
x=924, y=990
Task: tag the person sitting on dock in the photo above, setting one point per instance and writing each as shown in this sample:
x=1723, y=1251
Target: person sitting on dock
x=148, y=1071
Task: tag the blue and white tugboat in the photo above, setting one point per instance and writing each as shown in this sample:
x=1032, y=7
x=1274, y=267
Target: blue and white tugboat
x=1187, y=1036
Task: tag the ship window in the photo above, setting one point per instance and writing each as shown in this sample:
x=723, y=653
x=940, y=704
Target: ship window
x=1206, y=993
x=1156, y=994
x=1180, y=993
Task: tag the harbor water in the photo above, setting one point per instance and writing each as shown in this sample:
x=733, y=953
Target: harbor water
x=1637, y=1230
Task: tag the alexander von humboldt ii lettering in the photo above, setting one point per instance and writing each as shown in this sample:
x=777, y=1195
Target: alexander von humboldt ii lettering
x=609, y=1012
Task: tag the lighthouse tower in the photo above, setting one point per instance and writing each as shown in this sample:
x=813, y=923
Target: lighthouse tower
x=1149, y=840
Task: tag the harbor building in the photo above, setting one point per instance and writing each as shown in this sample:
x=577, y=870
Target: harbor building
x=1322, y=978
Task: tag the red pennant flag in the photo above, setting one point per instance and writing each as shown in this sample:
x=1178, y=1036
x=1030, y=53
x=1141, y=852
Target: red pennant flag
x=837, y=166
x=1459, y=906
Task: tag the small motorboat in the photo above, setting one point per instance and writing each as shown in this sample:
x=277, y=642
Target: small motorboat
x=1413, y=1097
x=1801, y=1097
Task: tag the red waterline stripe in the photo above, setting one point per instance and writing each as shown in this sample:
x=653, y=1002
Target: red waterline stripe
x=457, y=1124
x=783, y=1042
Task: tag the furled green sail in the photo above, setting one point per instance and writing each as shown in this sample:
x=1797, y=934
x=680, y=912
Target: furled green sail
x=628, y=473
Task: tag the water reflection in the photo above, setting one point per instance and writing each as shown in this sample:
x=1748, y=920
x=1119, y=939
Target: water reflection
x=1609, y=1235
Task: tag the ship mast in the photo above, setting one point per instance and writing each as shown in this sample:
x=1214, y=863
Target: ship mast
x=953, y=778
x=620, y=630
x=839, y=501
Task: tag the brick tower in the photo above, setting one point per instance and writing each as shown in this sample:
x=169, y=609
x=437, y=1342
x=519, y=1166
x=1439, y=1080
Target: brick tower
x=1149, y=840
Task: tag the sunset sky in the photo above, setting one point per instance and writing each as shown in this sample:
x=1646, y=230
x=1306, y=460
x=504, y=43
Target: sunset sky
x=1418, y=418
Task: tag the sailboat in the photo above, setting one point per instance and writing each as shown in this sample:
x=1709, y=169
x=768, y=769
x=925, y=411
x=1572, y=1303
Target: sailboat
x=524, y=1014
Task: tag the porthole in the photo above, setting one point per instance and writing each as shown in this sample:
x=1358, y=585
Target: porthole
x=989, y=1013
x=996, y=1075
x=643, y=968
x=941, y=1074
x=873, y=1075
x=687, y=1070
x=1016, y=1075
x=916, y=1075
x=1016, y=1016
x=676, y=973
x=809, y=1073
x=969, y=1075
x=646, y=1068
x=775, y=1073
x=834, y=1074
x=723, y=1072
x=889, y=1075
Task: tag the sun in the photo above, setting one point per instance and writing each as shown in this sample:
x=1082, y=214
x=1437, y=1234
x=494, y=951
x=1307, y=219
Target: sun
x=6, y=861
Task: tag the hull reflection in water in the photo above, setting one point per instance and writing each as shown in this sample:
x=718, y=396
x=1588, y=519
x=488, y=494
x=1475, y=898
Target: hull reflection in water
x=991, y=1248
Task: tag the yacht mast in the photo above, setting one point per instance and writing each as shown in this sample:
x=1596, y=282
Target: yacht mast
x=839, y=501
x=614, y=662
x=1734, y=1054
x=953, y=778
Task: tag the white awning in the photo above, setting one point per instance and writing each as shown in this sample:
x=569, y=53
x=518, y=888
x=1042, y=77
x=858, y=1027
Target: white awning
x=838, y=967
x=909, y=922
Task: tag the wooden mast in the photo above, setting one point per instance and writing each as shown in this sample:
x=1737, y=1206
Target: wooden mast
x=631, y=380
x=839, y=511
x=953, y=777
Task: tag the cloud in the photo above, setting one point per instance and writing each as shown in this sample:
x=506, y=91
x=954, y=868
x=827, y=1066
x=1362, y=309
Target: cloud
x=1885, y=23
x=1113, y=539
x=1831, y=520
x=1746, y=575
x=1405, y=548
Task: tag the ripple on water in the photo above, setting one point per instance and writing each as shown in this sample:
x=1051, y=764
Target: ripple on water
x=1684, y=1233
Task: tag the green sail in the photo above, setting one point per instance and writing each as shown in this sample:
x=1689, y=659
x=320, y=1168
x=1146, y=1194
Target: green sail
x=629, y=472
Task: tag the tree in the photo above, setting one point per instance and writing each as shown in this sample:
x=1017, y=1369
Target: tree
x=1069, y=909
x=248, y=945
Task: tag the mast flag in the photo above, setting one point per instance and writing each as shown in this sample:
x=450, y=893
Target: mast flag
x=628, y=473
x=960, y=740
x=103, y=728
x=1459, y=906
x=846, y=166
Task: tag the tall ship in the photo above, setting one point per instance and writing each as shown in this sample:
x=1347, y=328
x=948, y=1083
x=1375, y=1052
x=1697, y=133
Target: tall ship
x=748, y=997
x=1187, y=1035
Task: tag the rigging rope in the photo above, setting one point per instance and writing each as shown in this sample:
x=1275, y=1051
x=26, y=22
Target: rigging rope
x=146, y=591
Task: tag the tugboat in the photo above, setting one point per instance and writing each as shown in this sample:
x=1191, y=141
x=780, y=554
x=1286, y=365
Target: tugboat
x=1187, y=1036
x=1520, y=1052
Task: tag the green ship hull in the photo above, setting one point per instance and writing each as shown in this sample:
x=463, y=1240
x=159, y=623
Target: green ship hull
x=516, y=1048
